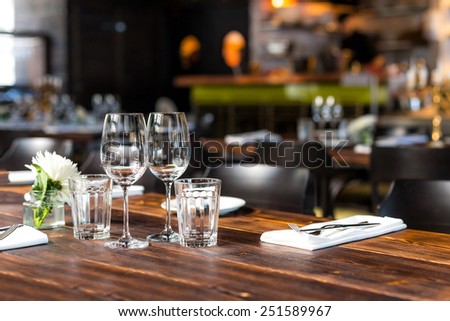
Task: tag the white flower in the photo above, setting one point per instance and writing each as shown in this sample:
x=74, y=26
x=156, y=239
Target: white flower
x=57, y=168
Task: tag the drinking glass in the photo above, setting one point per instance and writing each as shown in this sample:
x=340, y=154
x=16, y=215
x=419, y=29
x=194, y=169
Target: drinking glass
x=124, y=157
x=169, y=154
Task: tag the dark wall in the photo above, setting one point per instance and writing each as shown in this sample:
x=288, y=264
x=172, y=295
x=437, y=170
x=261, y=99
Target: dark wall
x=130, y=48
x=115, y=47
x=209, y=21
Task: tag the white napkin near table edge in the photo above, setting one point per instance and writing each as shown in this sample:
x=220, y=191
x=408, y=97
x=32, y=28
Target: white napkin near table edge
x=402, y=140
x=24, y=176
x=133, y=190
x=23, y=236
x=362, y=149
x=258, y=135
x=73, y=128
x=334, y=237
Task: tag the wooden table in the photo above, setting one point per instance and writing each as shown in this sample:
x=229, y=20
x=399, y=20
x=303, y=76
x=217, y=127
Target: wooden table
x=405, y=265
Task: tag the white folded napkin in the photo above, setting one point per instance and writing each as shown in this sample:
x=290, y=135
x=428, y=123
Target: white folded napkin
x=22, y=237
x=73, y=128
x=402, y=140
x=362, y=149
x=334, y=237
x=133, y=190
x=263, y=135
x=21, y=177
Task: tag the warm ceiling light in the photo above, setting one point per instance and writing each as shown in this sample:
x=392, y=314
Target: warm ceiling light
x=189, y=51
x=282, y=3
x=233, y=45
x=277, y=3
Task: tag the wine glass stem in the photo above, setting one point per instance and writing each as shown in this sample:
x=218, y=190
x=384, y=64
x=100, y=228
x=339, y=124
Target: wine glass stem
x=126, y=228
x=168, y=226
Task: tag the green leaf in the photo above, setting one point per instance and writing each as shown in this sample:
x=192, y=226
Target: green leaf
x=42, y=178
x=43, y=185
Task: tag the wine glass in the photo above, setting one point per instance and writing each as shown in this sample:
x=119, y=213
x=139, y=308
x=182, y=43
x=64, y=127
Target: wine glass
x=124, y=157
x=169, y=154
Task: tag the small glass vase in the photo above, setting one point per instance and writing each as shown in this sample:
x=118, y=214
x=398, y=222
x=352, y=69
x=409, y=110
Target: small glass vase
x=54, y=219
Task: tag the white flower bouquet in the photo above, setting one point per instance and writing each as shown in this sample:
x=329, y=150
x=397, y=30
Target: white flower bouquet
x=52, y=173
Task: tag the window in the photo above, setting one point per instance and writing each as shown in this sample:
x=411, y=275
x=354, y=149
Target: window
x=7, y=60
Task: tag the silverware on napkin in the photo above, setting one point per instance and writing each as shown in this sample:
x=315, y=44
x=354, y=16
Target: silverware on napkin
x=318, y=230
x=8, y=230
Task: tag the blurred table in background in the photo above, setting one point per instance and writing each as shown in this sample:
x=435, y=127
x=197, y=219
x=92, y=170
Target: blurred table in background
x=411, y=122
x=331, y=167
x=84, y=137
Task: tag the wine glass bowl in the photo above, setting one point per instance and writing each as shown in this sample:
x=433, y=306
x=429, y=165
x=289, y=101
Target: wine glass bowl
x=169, y=155
x=124, y=157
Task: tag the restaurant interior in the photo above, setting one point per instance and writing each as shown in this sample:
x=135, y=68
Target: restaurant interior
x=327, y=123
x=259, y=80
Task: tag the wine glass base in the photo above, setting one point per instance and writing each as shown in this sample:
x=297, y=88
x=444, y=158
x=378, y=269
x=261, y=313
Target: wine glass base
x=128, y=244
x=164, y=237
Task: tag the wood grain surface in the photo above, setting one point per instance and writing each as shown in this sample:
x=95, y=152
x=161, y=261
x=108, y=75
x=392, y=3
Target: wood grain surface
x=406, y=265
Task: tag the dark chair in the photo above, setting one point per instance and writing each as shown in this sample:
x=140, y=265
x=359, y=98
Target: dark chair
x=420, y=185
x=23, y=149
x=411, y=162
x=270, y=187
x=268, y=175
x=91, y=165
x=422, y=204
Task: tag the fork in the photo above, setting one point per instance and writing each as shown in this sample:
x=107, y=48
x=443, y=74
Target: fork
x=318, y=230
x=296, y=228
x=10, y=229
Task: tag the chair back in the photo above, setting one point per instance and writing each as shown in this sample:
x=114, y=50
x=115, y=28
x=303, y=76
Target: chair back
x=266, y=174
x=23, y=149
x=91, y=165
x=420, y=193
x=412, y=162
x=270, y=187
x=422, y=204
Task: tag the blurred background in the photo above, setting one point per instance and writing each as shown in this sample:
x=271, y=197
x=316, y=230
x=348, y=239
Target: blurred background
x=290, y=67
x=132, y=49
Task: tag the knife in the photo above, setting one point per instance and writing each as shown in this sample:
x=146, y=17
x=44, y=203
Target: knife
x=333, y=226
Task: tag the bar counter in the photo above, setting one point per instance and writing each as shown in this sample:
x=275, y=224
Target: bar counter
x=194, y=80
x=405, y=265
x=276, y=101
x=291, y=89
